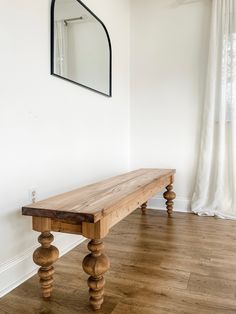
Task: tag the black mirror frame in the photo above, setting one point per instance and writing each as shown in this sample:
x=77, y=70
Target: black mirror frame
x=52, y=50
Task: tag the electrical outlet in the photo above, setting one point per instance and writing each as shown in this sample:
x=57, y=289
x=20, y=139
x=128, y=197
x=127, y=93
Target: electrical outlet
x=32, y=195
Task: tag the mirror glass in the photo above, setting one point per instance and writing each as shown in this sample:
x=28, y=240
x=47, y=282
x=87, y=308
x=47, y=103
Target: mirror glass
x=81, y=47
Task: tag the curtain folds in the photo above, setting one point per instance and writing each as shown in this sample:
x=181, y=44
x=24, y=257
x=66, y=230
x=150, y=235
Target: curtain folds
x=60, y=54
x=215, y=189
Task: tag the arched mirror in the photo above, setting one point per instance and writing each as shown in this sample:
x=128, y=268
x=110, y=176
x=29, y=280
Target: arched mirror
x=80, y=46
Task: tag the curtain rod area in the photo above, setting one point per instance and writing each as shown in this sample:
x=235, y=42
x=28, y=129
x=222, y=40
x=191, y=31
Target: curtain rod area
x=74, y=19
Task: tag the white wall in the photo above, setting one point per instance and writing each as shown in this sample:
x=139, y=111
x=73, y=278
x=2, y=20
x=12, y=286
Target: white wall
x=54, y=136
x=169, y=47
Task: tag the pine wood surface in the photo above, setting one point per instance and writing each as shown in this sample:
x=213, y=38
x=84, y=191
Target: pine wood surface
x=106, y=203
x=159, y=265
x=93, y=202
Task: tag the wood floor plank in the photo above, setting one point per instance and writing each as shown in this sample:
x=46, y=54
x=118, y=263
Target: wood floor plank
x=214, y=286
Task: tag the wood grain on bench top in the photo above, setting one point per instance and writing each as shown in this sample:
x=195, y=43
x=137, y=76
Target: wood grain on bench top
x=93, y=202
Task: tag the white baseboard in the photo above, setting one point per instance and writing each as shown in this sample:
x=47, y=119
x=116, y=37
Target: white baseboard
x=180, y=204
x=14, y=272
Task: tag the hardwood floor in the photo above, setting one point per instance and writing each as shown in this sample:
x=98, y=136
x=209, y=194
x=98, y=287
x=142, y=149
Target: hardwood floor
x=181, y=265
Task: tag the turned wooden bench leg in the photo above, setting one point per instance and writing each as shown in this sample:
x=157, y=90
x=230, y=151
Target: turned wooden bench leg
x=144, y=208
x=45, y=256
x=169, y=195
x=96, y=264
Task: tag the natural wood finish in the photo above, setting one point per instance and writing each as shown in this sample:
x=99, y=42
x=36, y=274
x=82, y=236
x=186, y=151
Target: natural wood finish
x=65, y=227
x=92, y=211
x=182, y=265
x=96, y=230
x=169, y=195
x=45, y=256
x=133, y=201
x=94, y=202
x=144, y=208
x=95, y=265
x=121, y=210
x=41, y=224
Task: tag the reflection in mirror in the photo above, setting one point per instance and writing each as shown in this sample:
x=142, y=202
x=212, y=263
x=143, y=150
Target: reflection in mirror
x=80, y=44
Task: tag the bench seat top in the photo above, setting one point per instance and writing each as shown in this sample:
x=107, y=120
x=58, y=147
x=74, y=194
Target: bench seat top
x=93, y=202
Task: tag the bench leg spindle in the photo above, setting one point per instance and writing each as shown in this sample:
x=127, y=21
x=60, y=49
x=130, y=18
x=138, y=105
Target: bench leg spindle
x=144, y=208
x=45, y=256
x=169, y=195
x=96, y=264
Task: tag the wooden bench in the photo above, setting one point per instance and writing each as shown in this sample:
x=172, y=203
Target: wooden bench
x=92, y=211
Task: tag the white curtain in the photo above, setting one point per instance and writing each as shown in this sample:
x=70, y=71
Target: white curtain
x=215, y=190
x=60, y=44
